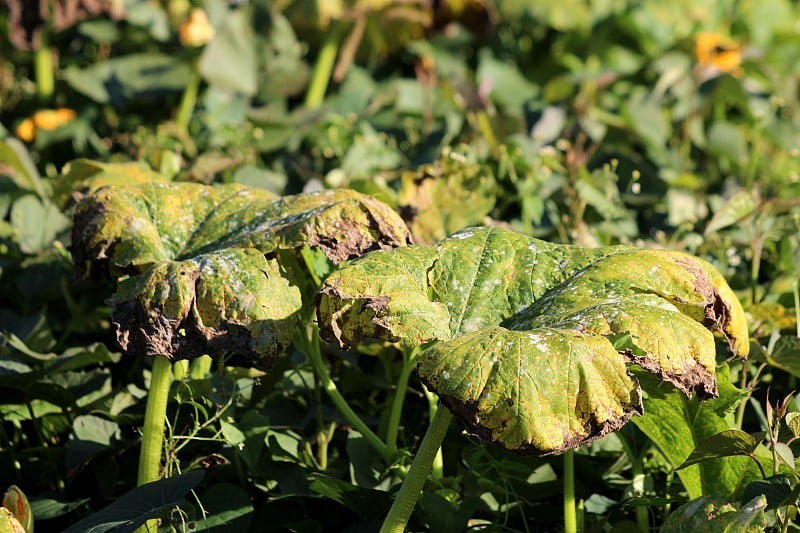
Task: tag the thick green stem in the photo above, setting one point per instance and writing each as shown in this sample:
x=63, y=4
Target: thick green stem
x=324, y=65
x=409, y=363
x=45, y=83
x=570, y=517
x=188, y=100
x=154, y=416
x=642, y=518
x=314, y=355
x=153, y=430
x=409, y=492
x=199, y=367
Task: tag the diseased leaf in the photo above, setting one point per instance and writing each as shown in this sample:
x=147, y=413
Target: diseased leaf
x=84, y=176
x=441, y=198
x=522, y=321
x=204, y=264
x=712, y=514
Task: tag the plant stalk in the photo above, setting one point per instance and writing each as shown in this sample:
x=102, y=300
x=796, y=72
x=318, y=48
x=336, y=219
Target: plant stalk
x=188, y=100
x=153, y=430
x=437, y=470
x=409, y=363
x=409, y=492
x=570, y=516
x=321, y=75
x=200, y=366
x=314, y=355
x=45, y=82
x=154, y=417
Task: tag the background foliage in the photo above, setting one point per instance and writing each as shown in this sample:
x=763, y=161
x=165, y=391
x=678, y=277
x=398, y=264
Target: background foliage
x=672, y=125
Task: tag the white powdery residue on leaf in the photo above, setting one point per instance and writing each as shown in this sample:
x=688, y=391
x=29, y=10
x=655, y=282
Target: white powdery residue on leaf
x=472, y=324
x=463, y=235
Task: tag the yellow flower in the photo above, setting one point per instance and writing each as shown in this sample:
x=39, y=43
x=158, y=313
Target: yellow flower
x=46, y=119
x=196, y=30
x=50, y=119
x=718, y=53
x=26, y=130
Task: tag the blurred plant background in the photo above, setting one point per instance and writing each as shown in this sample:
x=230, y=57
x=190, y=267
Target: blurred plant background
x=661, y=124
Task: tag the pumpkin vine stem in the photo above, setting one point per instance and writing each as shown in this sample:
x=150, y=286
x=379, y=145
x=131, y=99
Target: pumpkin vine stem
x=153, y=429
x=309, y=343
x=409, y=363
x=570, y=516
x=412, y=485
x=320, y=77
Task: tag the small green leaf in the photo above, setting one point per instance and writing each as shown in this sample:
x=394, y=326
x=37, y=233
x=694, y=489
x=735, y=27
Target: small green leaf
x=38, y=223
x=741, y=205
x=726, y=443
x=16, y=164
x=712, y=514
x=229, y=61
x=786, y=354
x=776, y=489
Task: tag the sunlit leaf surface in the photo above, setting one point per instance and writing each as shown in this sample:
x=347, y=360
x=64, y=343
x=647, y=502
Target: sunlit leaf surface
x=524, y=355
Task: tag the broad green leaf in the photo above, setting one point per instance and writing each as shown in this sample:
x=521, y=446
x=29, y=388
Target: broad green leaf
x=204, y=262
x=230, y=60
x=122, y=79
x=16, y=164
x=84, y=176
x=441, y=198
x=741, y=205
x=728, y=443
x=713, y=514
x=777, y=490
x=786, y=354
x=520, y=321
x=135, y=507
x=37, y=222
x=677, y=425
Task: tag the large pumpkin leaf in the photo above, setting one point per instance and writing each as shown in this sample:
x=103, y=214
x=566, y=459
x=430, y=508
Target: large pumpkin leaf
x=524, y=354
x=204, y=261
